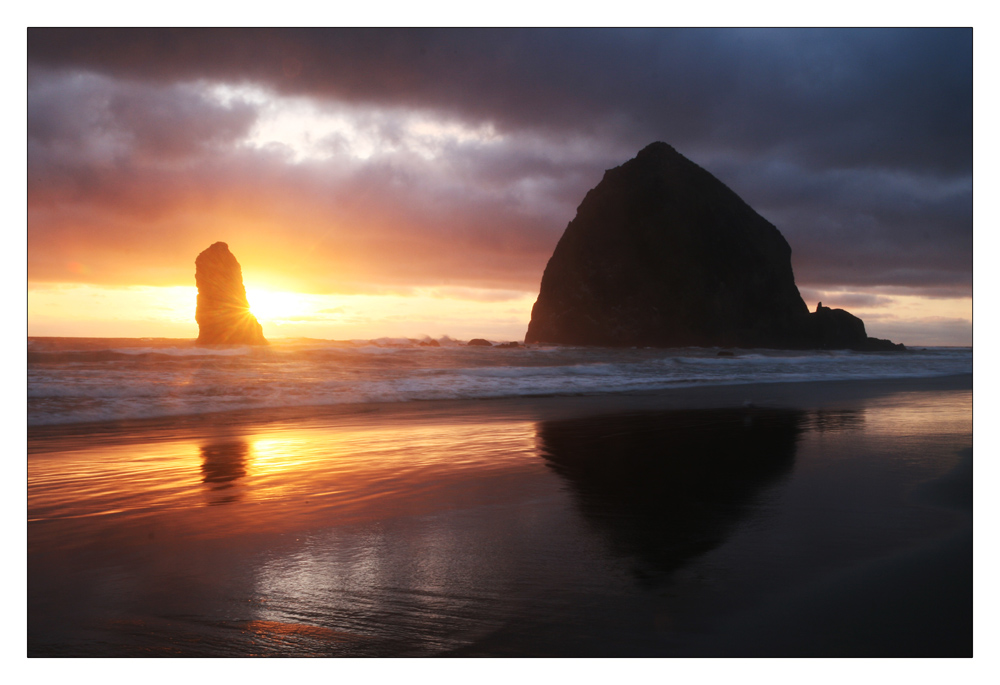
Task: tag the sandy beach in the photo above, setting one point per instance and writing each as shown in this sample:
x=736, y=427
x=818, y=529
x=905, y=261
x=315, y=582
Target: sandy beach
x=784, y=519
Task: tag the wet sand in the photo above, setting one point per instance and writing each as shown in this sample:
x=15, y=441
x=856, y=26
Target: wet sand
x=812, y=519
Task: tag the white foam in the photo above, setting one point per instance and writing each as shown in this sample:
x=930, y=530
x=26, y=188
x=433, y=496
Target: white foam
x=186, y=351
x=313, y=373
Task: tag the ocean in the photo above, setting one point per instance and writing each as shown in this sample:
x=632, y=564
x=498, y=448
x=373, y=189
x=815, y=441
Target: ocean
x=77, y=380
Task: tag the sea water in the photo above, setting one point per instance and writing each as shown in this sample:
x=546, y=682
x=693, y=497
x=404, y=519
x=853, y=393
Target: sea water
x=78, y=380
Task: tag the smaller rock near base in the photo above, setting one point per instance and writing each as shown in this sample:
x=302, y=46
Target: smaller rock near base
x=837, y=329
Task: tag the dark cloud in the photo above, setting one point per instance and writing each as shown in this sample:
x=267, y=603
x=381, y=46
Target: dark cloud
x=864, y=226
x=162, y=122
x=897, y=97
x=857, y=144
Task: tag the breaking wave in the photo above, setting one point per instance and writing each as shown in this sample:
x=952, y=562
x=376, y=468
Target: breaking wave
x=72, y=380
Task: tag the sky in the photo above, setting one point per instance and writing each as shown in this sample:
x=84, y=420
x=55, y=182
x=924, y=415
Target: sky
x=409, y=183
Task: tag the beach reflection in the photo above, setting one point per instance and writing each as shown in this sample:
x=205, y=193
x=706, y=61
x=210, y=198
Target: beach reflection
x=286, y=476
x=666, y=487
x=222, y=465
x=833, y=420
x=907, y=419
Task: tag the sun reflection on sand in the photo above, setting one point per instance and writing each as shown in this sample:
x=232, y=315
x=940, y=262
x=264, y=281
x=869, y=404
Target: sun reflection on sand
x=275, y=479
x=911, y=416
x=111, y=479
x=274, y=455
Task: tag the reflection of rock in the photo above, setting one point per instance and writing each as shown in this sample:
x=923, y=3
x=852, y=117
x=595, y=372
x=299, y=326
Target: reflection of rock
x=223, y=463
x=223, y=313
x=666, y=487
x=661, y=253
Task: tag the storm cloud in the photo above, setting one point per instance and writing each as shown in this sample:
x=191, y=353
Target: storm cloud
x=353, y=160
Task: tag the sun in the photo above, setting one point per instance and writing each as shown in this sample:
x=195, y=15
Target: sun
x=275, y=305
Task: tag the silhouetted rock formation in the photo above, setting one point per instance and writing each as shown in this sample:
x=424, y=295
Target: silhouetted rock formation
x=223, y=313
x=479, y=342
x=835, y=329
x=663, y=254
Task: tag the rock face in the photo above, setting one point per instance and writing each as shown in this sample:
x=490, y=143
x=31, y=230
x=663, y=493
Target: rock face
x=663, y=254
x=837, y=329
x=223, y=313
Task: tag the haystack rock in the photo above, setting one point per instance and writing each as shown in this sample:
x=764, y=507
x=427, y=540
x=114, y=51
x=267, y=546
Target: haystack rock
x=663, y=254
x=223, y=313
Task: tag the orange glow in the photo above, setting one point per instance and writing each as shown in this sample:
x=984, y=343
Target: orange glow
x=73, y=309
x=69, y=309
x=351, y=468
x=273, y=306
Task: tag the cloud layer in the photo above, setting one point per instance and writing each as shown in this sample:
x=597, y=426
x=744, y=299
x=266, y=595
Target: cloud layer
x=375, y=160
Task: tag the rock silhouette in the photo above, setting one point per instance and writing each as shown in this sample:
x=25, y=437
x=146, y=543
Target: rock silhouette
x=223, y=313
x=666, y=487
x=663, y=254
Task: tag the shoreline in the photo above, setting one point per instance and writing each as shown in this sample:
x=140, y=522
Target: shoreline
x=801, y=394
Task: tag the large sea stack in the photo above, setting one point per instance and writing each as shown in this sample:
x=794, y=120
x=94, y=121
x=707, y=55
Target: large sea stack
x=663, y=254
x=223, y=313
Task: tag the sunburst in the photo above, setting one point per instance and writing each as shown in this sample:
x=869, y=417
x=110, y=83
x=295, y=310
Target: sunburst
x=276, y=305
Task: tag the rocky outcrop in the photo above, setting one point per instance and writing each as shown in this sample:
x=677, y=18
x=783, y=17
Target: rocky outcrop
x=663, y=254
x=223, y=313
x=479, y=342
x=838, y=329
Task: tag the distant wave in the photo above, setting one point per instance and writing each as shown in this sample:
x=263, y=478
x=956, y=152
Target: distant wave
x=87, y=380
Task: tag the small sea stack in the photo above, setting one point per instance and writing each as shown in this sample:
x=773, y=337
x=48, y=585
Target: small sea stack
x=223, y=313
x=663, y=254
